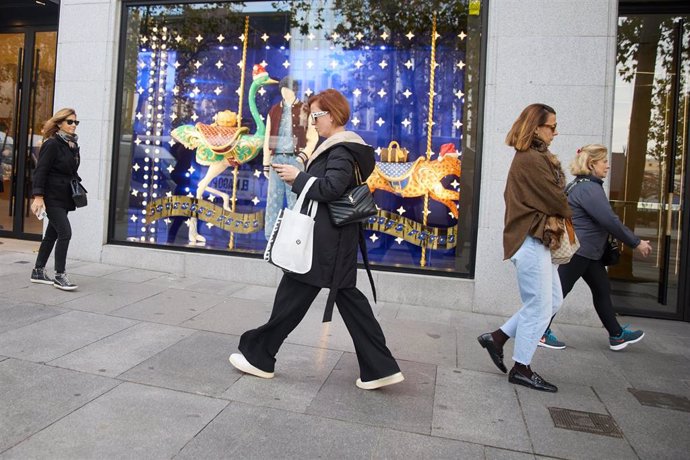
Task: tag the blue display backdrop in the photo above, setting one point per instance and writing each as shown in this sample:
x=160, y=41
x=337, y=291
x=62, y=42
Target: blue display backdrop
x=199, y=107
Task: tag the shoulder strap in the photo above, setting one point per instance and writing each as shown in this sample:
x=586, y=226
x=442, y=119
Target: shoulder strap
x=365, y=259
x=569, y=187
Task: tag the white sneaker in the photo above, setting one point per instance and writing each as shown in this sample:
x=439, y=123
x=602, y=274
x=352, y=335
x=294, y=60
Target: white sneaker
x=382, y=382
x=240, y=362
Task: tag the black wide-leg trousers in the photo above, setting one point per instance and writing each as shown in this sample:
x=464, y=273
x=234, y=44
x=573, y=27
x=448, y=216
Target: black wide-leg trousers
x=293, y=299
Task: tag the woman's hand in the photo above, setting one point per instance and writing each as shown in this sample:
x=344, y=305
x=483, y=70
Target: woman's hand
x=37, y=204
x=644, y=248
x=287, y=173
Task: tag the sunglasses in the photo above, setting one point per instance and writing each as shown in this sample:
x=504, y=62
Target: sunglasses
x=553, y=127
x=315, y=115
x=72, y=122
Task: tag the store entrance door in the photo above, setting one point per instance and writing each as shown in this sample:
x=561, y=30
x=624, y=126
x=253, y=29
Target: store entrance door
x=27, y=81
x=650, y=154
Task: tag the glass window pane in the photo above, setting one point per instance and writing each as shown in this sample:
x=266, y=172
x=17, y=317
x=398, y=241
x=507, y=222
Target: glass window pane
x=191, y=103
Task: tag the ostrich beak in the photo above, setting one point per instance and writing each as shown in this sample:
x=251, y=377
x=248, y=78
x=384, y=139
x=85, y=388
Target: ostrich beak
x=271, y=81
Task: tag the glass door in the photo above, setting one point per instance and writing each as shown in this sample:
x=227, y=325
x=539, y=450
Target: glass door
x=649, y=173
x=27, y=81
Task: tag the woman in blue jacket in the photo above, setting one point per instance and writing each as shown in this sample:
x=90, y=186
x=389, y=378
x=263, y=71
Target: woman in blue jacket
x=58, y=161
x=594, y=220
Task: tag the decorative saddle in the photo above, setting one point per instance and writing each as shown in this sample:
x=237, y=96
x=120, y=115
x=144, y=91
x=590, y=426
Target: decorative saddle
x=397, y=174
x=221, y=139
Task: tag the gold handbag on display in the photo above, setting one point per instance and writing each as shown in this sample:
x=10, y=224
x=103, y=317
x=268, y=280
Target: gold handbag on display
x=394, y=153
x=569, y=243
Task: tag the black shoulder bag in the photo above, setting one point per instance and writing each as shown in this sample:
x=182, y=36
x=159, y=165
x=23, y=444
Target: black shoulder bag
x=78, y=193
x=356, y=205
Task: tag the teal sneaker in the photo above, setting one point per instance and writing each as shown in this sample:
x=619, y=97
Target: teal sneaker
x=548, y=340
x=626, y=337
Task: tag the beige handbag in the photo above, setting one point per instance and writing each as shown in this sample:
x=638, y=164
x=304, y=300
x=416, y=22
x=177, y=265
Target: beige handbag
x=569, y=243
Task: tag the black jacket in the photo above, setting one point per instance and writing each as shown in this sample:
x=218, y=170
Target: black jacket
x=57, y=166
x=594, y=219
x=334, y=262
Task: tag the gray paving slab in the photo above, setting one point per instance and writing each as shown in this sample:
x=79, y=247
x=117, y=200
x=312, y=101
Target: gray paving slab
x=134, y=275
x=13, y=266
x=488, y=401
x=406, y=406
x=300, y=373
x=172, y=306
x=106, y=296
x=231, y=316
x=642, y=365
x=18, y=287
x=577, y=366
x=54, y=337
x=32, y=396
x=198, y=364
x=253, y=292
x=658, y=327
x=21, y=314
x=251, y=432
x=119, y=352
x=395, y=444
x=172, y=281
x=94, y=269
x=222, y=288
x=434, y=343
x=131, y=421
x=558, y=442
x=653, y=433
x=492, y=453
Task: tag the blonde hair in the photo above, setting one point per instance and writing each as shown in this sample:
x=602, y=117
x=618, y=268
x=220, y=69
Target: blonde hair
x=586, y=156
x=521, y=134
x=51, y=126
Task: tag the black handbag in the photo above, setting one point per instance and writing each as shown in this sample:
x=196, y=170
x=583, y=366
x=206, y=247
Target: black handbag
x=612, y=253
x=356, y=205
x=78, y=193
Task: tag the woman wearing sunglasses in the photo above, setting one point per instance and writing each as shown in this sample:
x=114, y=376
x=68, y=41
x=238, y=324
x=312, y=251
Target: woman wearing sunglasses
x=533, y=194
x=334, y=264
x=58, y=161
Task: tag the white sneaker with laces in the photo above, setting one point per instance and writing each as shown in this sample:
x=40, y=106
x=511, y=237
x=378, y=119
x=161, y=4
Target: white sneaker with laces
x=240, y=362
x=382, y=382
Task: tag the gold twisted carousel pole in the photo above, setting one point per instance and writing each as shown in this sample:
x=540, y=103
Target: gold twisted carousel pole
x=430, y=121
x=236, y=170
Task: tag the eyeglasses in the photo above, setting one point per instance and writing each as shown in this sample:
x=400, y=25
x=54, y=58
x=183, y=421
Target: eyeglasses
x=315, y=115
x=553, y=127
x=72, y=122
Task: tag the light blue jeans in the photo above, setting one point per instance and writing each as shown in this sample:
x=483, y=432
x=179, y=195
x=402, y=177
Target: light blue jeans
x=541, y=295
x=278, y=192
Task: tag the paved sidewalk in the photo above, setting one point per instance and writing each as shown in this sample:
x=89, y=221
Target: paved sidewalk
x=134, y=365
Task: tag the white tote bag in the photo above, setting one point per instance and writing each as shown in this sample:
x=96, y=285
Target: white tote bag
x=292, y=240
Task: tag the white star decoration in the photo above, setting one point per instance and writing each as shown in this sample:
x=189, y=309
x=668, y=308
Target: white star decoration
x=178, y=39
x=171, y=142
x=406, y=122
x=220, y=38
x=194, y=116
x=455, y=184
x=427, y=212
x=262, y=91
x=460, y=65
x=399, y=240
x=383, y=64
x=359, y=36
x=136, y=167
x=196, y=90
x=264, y=37
x=334, y=64
x=257, y=173
x=135, y=192
x=218, y=90
x=263, y=63
x=167, y=221
x=256, y=200
x=176, y=90
x=287, y=36
x=384, y=35
x=138, y=116
x=407, y=93
x=358, y=64
x=409, y=35
x=356, y=92
x=177, y=64
x=191, y=170
x=462, y=35
x=173, y=116
x=382, y=92
x=286, y=64
x=373, y=237
x=199, y=38
x=409, y=64
x=168, y=194
x=219, y=64
x=459, y=94
x=311, y=36
x=309, y=92
x=241, y=37
x=209, y=225
x=133, y=218
x=310, y=64
x=240, y=65
x=137, y=141
x=211, y=197
x=401, y=210
x=170, y=168
x=451, y=215
x=380, y=122
x=355, y=120
x=457, y=124
x=334, y=36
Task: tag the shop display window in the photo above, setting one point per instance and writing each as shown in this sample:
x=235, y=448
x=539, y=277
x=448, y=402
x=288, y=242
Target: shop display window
x=202, y=92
